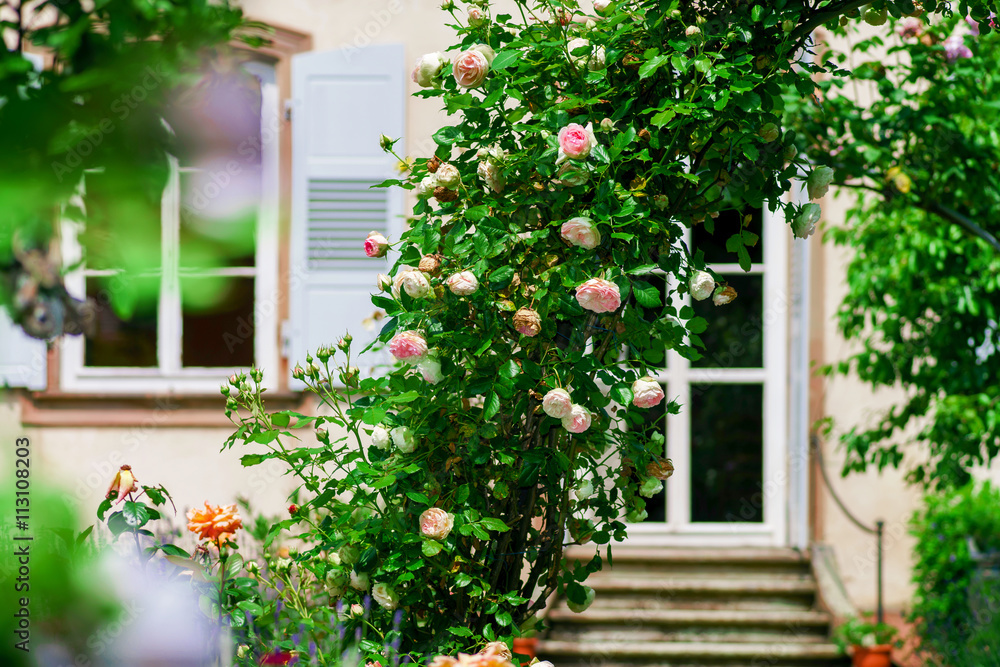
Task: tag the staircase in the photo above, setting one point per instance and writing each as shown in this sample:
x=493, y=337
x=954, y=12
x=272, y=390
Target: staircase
x=746, y=607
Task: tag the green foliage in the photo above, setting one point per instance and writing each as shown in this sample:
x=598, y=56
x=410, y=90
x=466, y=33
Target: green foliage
x=944, y=568
x=923, y=294
x=113, y=68
x=856, y=632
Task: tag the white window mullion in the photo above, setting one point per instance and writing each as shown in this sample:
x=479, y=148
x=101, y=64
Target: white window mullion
x=169, y=323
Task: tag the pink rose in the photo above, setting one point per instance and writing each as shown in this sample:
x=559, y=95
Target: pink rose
x=955, y=48
x=557, y=403
x=599, y=296
x=408, y=346
x=646, y=392
x=527, y=322
x=435, y=523
x=463, y=283
x=578, y=419
x=581, y=232
x=576, y=141
x=470, y=68
x=376, y=245
x=909, y=27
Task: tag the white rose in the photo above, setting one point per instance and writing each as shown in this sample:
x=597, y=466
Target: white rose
x=385, y=596
x=428, y=67
x=804, y=224
x=430, y=369
x=380, y=437
x=463, y=283
x=413, y=283
x=584, y=490
x=557, y=403
x=436, y=524
x=403, y=438
x=425, y=188
x=819, y=182
x=601, y=6
x=448, y=176
x=359, y=581
x=702, y=285
x=491, y=174
x=581, y=232
x=592, y=59
x=646, y=392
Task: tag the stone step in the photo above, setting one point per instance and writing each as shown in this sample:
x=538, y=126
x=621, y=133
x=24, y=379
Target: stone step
x=715, y=625
x=702, y=593
x=642, y=654
x=752, y=562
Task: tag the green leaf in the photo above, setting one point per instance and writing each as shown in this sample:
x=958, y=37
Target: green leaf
x=373, y=416
x=491, y=406
x=135, y=513
x=505, y=58
x=621, y=394
x=234, y=565
x=648, y=68
x=510, y=370
x=477, y=212
x=430, y=548
x=280, y=419
x=647, y=295
x=405, y=397
x=495, y=524
x=385, y=481
x=251, y=459
x=251, y=608
x=103, y=508
x=174, y=550
x=418, y=497
x=447, y=136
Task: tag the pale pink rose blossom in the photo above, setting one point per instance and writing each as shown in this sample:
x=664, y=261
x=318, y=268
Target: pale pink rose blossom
x=576, y=142
x=408, y=346
x=476, y=17
x=646, y=392
x=448, y=176
x=376, y=245
x=581, y=232
x=463, y=283
x=436, y=524
x=910, y=26
x=527, y=322
x=557, y=403
x=490, y=173
x=430, y=369
x=601, y=6
x=578, y=419
x=470, y=68
x=599, y=296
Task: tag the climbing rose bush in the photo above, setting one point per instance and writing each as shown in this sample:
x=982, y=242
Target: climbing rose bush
x=547, y=267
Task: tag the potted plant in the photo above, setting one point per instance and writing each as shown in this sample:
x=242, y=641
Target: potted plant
x=871, y=643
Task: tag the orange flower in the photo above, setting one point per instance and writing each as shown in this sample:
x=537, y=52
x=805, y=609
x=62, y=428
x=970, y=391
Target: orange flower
x=216, y=523
x=122, y=485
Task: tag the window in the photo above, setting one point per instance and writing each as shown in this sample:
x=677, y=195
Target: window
x=204, y=302
x=729, y=442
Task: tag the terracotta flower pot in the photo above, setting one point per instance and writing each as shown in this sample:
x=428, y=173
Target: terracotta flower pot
x=872, y=656
x=526, y=646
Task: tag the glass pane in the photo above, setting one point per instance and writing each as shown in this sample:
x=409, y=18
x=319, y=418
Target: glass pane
x=122, y=229
x=218, y=322
x=727, y=224
x=219, y=142
x=735, y=334
x=727, y=454
x=125, y=323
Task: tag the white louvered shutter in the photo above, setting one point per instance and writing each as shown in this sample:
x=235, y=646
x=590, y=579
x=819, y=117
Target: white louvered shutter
x=22, y=358
x=342, y=101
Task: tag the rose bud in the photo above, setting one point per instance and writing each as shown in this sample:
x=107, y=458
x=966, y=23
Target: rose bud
x=723, y=295
x=383, y=282
x=403, y=438
x=436, y=524
x=557, y=403
x=646, y=392
x=433, y=164
x=578, y=419
x=702, y=285
x=386, y=142
x=599, y=296
x=581, y=232
x=448, y=176
x=385, y=596
x=293, y=509
x=581, y=607
x=413, y=283
x=527, y=322
x=408, y=346
x=463, y=283
x=476, y=17
x=601, y=6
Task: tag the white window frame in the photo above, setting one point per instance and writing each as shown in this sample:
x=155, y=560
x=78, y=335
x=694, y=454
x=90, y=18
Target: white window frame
x=169, y=376
x=678, y=376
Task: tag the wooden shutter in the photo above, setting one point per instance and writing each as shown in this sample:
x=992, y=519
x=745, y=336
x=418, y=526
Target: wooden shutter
x=342, y=101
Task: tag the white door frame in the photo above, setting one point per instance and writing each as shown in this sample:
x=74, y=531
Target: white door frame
x=678, y=530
